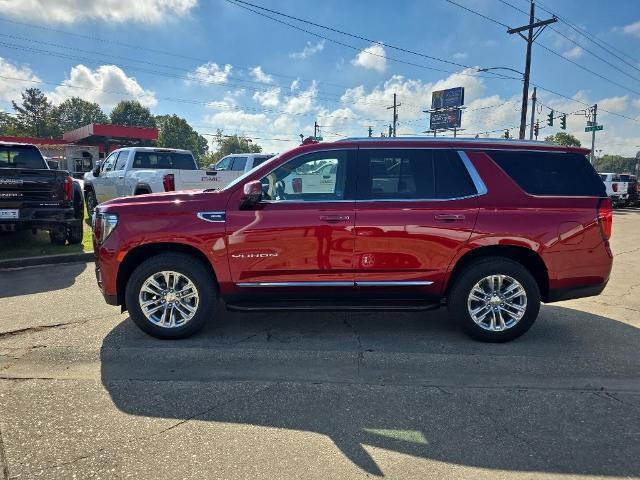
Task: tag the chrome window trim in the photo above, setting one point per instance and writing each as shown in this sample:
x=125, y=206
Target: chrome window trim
x=408, y=283
x=201, y=215
x=481, y=188
x=307, y=201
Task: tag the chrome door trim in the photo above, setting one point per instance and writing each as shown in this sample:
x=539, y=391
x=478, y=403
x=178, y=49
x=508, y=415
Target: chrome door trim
x=294, y=284
x=475, y=176
x=408, y=283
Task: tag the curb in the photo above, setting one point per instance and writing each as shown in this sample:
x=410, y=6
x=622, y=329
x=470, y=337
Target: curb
x=46, y=260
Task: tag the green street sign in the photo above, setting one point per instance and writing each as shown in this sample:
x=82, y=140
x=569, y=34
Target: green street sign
x=594, y=128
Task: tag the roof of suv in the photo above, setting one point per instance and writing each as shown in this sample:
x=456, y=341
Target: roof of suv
x=155, y=149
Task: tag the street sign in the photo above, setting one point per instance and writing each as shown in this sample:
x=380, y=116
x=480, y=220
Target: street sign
x=445, y=120
x=450, y=98
x=594, y=128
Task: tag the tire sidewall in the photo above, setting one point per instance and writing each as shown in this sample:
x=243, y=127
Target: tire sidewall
x=91, y=201
x=192, y=269
x=473, y=274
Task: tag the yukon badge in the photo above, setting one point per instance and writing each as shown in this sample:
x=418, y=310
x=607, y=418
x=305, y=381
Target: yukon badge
x=254, y=255
x=212, y=216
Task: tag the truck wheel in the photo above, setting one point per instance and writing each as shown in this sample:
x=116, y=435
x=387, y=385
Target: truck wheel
x=494, y=300
x=171, y=295
x=91, y=201
x=74, y=235
x=58, y=235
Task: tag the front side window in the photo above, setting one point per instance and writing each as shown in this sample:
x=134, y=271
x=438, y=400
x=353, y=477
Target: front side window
x=122, y=160
x=224, y=164
x=317, y=176
x=238, y=164
x=108, y=164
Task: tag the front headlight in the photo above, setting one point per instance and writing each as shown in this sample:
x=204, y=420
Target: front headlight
x=103, y=225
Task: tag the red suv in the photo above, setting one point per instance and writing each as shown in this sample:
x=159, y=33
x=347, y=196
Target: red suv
x=490, y=228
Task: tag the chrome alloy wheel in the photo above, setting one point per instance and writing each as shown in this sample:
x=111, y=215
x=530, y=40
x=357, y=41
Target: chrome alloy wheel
x=497, y=303
x=168, y=299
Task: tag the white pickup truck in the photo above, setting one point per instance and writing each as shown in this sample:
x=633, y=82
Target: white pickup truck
x=140, y=170
x=617, y=189
x=228, y=168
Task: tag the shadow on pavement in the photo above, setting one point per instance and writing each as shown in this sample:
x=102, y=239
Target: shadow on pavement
x=14, y=282
x=401, y=382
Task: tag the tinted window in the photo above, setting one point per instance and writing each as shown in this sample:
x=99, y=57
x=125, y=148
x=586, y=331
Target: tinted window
x=625, y=178
x=238, y=164
x=259, y=160
x=547, y=173
x=224, y=164
x=302, y=178
x=168, y=160
x=19, y=156
x=452, y=177
x=395, y=173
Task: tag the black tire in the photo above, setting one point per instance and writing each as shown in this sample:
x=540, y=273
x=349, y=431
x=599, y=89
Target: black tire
x=186, y=265
x=78, y=207
x=91, y=201
x=472, y=274
x=74, y=235
x=58, y=236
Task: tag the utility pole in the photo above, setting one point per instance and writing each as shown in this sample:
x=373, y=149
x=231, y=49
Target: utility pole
x=533, y=113
x=594, y=120
x=370, y=131
x=530, y=38
x=315, y=129
x=395, y=114
x=390, y=131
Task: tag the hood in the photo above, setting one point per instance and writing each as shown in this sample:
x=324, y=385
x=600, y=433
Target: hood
x=185, y=198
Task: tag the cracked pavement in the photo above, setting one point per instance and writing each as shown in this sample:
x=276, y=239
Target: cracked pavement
x=85, y=394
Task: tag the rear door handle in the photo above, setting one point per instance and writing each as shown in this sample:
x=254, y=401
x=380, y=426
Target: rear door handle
x=448, y=218
x=334, y=218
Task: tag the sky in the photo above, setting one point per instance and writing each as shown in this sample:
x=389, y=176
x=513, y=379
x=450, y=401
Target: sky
x=222, y=66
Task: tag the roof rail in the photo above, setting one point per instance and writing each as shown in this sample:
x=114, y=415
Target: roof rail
x=501, y=141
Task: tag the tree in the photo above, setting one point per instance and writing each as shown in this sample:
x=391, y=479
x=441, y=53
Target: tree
x=75, y=113
x=175, y=132
x=614, y=163
x=132, y=113
x=36, y=115
x=228, y=144
x=563, y=138
x=8, y=125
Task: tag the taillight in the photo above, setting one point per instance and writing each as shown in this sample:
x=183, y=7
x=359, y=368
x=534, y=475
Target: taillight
x=614, y=186
x=68, y=188
x=296, y=185
x=605, y=217
x=169, y=182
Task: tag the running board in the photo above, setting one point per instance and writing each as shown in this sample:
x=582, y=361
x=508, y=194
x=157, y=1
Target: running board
x=314, y=305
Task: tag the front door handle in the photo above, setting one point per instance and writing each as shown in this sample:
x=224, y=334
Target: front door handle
x=334, y=218
x=448, y=218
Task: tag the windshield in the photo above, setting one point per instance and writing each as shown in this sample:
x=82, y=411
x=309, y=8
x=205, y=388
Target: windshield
x=21, y=156
x=243, y=176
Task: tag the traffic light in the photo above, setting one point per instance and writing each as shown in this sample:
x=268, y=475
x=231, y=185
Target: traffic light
x=550, y=118
x=563, y=121
x=536, y=129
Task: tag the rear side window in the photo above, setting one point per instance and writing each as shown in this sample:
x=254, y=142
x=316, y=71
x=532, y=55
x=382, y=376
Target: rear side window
x=452, y=177
x=548, y=173
x=20, y=156
x=259, y=160
x=238, y=164
x=162, y=160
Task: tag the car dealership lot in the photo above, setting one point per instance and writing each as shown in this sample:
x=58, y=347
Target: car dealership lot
x=317, y=395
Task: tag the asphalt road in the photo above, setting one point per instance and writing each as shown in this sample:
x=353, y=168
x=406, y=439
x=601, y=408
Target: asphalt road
x=84, y=394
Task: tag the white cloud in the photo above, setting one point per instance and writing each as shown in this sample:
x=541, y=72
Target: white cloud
x=210, y=72
x=238, y=120
x=302, y=102
x=632, y=29
x=260, y=76
x=229, y=101
x=614, y=104
x=372, y=58
x=270, y=98
x=10, y=76
x=309, y=50
x=460, y=55
x=106, y=85
x=636, y=102
x=573, y=53
x=71, y=11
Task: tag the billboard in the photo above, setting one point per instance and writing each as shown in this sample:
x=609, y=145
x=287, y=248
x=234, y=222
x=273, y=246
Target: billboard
x=445, y=120
x=450, y=98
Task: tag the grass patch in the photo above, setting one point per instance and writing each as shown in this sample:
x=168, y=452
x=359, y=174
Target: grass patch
x=26, y=244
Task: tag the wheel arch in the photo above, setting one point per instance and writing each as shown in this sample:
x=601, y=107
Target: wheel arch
x=139, y=254
x=527, y=257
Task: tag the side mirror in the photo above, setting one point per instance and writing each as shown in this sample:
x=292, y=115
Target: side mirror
x=96, y=170
x=251, y=193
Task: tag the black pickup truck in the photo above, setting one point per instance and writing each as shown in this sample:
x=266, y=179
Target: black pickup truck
x=34, y=197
